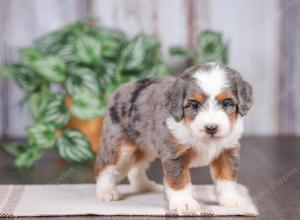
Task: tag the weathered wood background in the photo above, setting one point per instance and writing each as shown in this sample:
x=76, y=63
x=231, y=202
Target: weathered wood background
x=264, y=39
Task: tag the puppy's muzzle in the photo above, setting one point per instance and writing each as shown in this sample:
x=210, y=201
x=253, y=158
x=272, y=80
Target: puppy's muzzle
x=211, y=129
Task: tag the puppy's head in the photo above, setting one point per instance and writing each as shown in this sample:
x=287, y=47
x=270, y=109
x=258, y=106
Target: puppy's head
x=208, y=99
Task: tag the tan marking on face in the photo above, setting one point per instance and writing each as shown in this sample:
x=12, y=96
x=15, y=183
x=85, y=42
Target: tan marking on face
x=223, y=95
x=187, y=119
x=199, y=97
x=224, y=167
x=232, y=118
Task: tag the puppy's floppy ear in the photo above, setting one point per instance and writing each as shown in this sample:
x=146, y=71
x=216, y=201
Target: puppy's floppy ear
x=244, y=95
x=174, y=99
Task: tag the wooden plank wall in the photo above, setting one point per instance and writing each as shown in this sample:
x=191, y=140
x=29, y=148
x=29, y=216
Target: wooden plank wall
x=263, y=36
x=289, y=114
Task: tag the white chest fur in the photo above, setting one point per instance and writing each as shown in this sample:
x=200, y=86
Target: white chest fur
x=207, y=148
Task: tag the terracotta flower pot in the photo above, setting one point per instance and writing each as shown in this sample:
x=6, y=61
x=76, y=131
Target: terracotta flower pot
x=92, y=128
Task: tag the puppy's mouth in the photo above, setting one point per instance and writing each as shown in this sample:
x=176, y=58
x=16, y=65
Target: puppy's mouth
x=213, y=136
x=204, y=134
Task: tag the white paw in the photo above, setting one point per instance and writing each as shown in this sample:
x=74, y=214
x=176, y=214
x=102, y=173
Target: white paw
x=186, y=206
x=108, y=195
x=233, y=200
x=149, y=186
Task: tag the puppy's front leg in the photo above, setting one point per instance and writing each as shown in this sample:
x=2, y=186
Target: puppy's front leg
x=224, y=172
x=178, y=186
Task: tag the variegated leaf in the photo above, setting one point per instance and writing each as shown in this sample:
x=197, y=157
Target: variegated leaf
x=74, y=147
x=38, y=102
x=86, y=105
x=211, y=47
x=51, y=68
x=134, y=54
x=12, y=149
x=56, y=111
x=29, y=56
x=82, y=80
x=88, y=49
x=41, y=135
x=159, y=69
x=27, y=79
x=28, y=157
x=67, y=52
x=110, y=47
x=8, y=71
x=106, y=76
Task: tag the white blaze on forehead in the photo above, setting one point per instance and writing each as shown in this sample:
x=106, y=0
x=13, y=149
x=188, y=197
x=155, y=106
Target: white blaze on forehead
x=211, y=82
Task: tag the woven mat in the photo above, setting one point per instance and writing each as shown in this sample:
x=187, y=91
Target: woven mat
x=79, y=199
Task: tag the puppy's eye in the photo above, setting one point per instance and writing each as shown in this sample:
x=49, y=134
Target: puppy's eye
x=195, y=106
x=227, y=103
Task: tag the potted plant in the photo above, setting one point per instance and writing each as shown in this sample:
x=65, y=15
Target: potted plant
x=210, y=47
x=67, y=77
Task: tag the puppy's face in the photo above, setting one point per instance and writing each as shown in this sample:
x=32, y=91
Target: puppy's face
x=207, y=99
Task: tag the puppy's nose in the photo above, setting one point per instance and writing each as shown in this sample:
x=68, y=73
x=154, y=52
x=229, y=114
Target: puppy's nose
x=211, y=129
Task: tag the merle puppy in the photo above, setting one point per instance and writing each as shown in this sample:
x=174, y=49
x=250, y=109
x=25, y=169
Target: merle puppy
x=193, y=120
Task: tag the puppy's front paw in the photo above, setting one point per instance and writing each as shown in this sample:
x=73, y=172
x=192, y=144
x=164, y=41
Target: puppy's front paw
x=108, y=195
x=186, y=206
x=233, y=200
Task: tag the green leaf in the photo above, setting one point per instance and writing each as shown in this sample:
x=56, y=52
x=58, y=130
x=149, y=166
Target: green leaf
x=38, y=102
x=51, y=43
x=134, y=54
x=86, y=105
x=225, y=56
x=56, y=111
x=41, y=135
x=26, y=79
x=74, y=147
x=67, y=51
x=159, y=69
x=82, y=80
x=112, y=33
x=88, y=49
x=107, y=75
x=27, y=158
x=211, y=47
x=106, y=94
x=28, y=56
x=181, y=51
x=51, y=68
x=141, y=51
x=8, y=71
x=12, y=149
x=110, y=47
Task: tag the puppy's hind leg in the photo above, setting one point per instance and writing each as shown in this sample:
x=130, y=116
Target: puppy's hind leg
x=107, y=181
x=111, y=174
x=137, y=175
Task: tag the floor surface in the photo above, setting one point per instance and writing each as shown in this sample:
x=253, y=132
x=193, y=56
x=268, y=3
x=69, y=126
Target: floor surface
x=270, y=168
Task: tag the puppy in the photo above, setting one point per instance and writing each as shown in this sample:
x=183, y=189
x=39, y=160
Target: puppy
x=193, y=120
